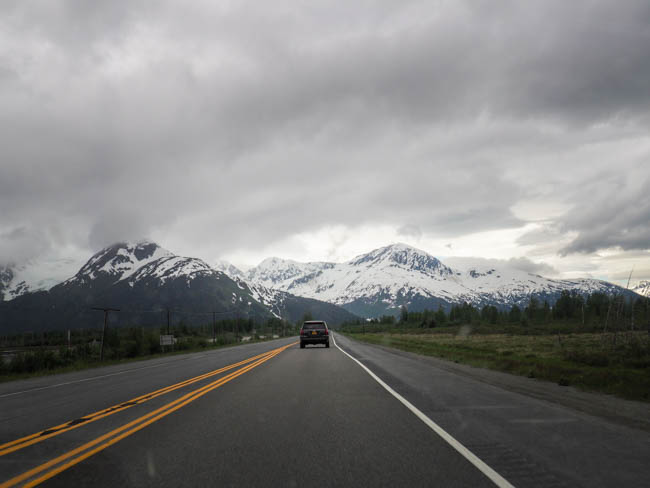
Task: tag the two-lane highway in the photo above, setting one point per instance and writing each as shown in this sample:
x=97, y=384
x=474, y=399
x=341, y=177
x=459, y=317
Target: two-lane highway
x=272, y=414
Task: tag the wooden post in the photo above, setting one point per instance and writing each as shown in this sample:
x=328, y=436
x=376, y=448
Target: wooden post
x=105, y=310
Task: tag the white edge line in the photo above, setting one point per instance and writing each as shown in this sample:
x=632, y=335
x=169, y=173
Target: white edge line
x=495, y=477
x=77, y=381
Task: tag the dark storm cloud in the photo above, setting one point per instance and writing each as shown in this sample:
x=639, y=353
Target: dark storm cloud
x=242, y=123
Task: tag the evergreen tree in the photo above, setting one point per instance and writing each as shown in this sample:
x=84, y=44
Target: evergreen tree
x=404, y=314
x=515, y=314
x=440, y=316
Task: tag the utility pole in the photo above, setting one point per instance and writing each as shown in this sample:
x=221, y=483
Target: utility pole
x=167, y=321
x=105, y=310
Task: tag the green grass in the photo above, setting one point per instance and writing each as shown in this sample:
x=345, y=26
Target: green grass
x=589, y=361
x=81, y=365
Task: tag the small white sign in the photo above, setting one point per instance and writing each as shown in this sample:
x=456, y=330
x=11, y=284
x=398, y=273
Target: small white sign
x=166, y=340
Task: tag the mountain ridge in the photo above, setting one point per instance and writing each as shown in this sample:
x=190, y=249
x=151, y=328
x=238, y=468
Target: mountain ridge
x=370, y=284
x=143, y=279
x=388, y=277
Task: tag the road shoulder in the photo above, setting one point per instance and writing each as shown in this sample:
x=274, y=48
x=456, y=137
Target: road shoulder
x=624, y=412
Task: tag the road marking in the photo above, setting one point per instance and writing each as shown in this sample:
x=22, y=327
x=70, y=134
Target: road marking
x=96, y=377
x=483, y=407
x=29, y=440
x=102, y=376
x=77, y=381
x=542, y=421
x=495, y=477
x=143, y=422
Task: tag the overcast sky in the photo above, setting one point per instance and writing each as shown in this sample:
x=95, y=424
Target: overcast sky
x=320, y=130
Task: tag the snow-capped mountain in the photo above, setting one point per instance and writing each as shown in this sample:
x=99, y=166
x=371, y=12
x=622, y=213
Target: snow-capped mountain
x=384, y=279
x=273, y=272
x=119, y=262
x=142, y=279
x=642, y=288
x=229, y=269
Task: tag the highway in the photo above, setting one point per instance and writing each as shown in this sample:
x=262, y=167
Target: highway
x=272, y=414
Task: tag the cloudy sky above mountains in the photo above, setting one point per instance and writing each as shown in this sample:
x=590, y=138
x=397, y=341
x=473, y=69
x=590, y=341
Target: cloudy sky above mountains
x=320, y=130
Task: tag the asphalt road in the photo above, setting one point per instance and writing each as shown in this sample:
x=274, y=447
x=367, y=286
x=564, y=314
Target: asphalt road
x=301, y=417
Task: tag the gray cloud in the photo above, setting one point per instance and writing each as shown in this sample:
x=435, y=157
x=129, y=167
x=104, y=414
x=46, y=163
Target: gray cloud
x=22, y=243
x=410, y=230
x=235, y=125
x=620, y=218
x=525, y=264
x=520, y=264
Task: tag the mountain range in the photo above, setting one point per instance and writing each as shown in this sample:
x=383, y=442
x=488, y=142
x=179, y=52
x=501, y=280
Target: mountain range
x=381, y=281
x=143, y=280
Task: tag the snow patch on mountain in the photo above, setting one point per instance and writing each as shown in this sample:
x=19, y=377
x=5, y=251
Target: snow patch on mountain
x=642, y=288
x=271, y=298
x=277, y=273
x=172, y=267
x=228, y=269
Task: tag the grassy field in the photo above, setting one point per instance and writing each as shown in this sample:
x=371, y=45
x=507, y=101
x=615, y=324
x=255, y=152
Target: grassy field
x=591, y=361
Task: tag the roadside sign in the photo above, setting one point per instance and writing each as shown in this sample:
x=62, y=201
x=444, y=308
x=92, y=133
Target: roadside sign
x=167, y=340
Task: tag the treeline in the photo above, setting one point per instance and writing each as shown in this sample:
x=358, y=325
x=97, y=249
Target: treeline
x=32, y=352
x=596, y=310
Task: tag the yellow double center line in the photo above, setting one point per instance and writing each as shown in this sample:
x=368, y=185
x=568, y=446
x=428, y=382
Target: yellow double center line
x=110, y=438
x=23, y=442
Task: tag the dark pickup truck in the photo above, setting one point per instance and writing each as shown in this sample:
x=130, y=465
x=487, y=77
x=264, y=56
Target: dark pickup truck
x=314, y=332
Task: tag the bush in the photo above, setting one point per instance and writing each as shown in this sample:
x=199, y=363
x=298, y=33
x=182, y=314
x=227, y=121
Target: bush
x=131, y=348
x=152, y=344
